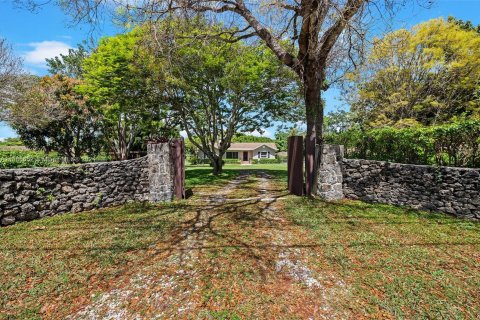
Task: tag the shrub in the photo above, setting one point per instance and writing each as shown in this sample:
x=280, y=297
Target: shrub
x=31, y=159
x=266, y=161
x=232, y=161
x=455, y=144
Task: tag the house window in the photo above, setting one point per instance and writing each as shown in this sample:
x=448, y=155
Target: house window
x=263, y=154
x=232, y=155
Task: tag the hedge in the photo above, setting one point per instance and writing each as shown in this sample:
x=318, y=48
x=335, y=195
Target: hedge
x=231, y=161
x=456, y=144
x=31, y=159
x=266, y=161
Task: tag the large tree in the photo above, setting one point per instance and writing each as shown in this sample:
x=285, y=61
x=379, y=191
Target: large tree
x=308, y=36
x=424, y=76
x=52, y=116
x=218, y=88
x=122, y=82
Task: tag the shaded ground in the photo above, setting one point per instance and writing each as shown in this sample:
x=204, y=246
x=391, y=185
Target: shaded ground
x=241, y=249
x=231, y=258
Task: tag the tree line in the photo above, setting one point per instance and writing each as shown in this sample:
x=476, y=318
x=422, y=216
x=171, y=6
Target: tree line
x=130, y=89
x=416, y=99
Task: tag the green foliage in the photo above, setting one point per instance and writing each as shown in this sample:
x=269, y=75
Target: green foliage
x=69, y=65
x=52, y=116
x=240, y=137
x=281, y=138
x=456, y=144
x=11, y=142
x=123, y=82
x=428, y=75
x=13, y=159
x=26, y=159
x=338, y=121
x=266, y=161
x=231, y=161
x=465, y=25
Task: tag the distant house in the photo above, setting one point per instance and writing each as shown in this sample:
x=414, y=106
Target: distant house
x=247, y=151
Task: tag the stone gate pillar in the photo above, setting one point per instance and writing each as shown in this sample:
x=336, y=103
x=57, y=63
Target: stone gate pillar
x=166, y=169
x=160, y=171
x=330, y=178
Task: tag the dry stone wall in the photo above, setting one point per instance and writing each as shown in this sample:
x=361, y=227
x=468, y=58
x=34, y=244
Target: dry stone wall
x=330, y=176
x=27, y=194
x=451, y=190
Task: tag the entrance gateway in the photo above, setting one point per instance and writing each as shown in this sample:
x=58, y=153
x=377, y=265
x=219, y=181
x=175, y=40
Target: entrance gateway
x=330, y=176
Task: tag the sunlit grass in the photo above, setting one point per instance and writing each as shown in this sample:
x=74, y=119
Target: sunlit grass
x=393, y=262
x=401, y=263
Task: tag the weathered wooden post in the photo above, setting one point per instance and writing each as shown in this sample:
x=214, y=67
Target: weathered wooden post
x=295, y=165
x=177, y=151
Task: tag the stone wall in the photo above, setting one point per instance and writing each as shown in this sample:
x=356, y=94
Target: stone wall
x=451, y=190
x=330, y=177
x=27, y=194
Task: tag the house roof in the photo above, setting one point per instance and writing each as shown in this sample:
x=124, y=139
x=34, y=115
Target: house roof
x=249, y=146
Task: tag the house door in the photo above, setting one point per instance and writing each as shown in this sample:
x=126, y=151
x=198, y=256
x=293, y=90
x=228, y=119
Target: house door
x=245, y=156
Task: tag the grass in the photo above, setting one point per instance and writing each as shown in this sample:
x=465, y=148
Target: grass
x=53, y=262
x=201, y=177
x=401, y=263
x=390, y=262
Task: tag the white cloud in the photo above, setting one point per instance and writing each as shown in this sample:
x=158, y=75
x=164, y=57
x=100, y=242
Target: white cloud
x=266, y=133
x=183, y=133
x=43, y=50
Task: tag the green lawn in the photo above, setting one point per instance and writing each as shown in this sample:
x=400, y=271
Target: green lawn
x=390, y=262
x=402, y=263
x=201, y=175
x=64, y=259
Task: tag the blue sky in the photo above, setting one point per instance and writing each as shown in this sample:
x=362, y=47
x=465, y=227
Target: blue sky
x=48, y=32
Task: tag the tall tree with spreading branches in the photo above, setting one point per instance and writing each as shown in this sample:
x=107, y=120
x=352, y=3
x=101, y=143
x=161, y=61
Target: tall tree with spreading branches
x=218, y=89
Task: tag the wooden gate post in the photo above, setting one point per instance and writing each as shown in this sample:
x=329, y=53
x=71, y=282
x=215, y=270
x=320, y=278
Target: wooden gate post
x=177, y=152
x=295, y=165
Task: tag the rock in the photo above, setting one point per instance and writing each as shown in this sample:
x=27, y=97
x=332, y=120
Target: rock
x=7, y=220
x=22, y=199
x=27, y=194
x=77, y=207
x=450, y=190
x=67, y=189
x=9, y=197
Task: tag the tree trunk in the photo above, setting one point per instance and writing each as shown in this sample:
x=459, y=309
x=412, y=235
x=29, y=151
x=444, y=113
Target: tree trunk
x=314, y=113
x=217, y=165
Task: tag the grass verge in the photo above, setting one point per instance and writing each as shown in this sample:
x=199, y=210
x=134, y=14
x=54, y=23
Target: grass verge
x=60, y=261
x=400, y=263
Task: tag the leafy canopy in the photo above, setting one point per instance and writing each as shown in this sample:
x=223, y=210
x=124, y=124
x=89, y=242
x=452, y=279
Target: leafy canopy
x=423, y=76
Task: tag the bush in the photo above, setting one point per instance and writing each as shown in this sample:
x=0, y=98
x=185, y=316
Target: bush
x=231, y=161
x=11, y=142
x=456, y=144
x=26, y=159
x=266, y=161
x=31, y=159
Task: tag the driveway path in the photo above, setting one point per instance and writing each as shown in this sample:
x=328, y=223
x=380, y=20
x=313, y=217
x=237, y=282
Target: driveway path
x=235, y=256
